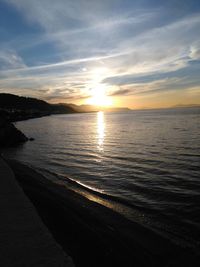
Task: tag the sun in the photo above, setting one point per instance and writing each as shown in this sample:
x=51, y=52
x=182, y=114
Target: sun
x=99, y=97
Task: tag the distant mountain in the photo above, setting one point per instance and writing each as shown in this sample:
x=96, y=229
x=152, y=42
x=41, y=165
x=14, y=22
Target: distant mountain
x=186, y=106
x=81, y=108
x=20, y=108
x=91, y=108
x=120, y=109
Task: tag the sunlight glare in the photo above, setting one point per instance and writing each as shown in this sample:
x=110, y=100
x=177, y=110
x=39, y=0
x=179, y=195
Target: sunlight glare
x=99, y=97
x=100, y=129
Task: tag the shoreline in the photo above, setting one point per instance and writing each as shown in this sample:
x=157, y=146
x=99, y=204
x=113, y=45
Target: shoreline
x=96, y=235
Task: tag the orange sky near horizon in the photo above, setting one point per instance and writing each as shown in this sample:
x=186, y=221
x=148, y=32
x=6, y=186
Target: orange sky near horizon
x=156, y=100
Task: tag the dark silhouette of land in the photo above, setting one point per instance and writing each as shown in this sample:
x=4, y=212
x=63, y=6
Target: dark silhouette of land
x=186, y=106
x=92, y=108
x=21, y=108
x=9, y=134
x=17, y=108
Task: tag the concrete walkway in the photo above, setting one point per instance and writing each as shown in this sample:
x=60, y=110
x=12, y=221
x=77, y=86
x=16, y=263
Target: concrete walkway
x=24, y=239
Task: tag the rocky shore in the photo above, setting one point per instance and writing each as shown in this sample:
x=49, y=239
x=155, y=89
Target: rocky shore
x=9, y=134
x=17, y=108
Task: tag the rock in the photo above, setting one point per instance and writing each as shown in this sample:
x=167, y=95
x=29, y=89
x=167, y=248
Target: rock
x=9, y=134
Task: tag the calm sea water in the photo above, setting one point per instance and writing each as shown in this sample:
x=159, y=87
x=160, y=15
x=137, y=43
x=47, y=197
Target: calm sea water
x=149, y=160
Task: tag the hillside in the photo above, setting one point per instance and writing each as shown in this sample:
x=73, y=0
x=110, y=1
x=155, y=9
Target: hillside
x=91, y=108
x=19, y=108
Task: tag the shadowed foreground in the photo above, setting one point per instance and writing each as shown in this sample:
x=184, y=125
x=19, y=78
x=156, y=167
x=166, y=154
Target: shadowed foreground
x=93, y=234
x=24, y=239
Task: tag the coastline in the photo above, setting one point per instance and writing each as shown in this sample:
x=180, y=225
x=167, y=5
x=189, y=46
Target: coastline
x=96, y=235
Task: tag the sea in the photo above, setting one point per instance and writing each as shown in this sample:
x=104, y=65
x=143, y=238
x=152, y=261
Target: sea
x=146, y=161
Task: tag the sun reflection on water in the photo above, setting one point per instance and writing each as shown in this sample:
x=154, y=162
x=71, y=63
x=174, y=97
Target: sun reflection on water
x=100, y=129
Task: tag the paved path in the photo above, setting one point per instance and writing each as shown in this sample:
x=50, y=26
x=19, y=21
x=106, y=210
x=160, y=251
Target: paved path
x=24, y=239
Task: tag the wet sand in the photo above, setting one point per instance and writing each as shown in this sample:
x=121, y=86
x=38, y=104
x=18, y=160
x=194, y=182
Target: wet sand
x=93, y=234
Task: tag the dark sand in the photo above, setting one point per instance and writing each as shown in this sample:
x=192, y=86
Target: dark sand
x=93, y=234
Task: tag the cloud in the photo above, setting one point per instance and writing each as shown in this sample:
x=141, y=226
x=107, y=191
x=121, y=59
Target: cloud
x=195, y=52
x=121, y=92
x=137, y=48
x=157, y=86
x=10, y=60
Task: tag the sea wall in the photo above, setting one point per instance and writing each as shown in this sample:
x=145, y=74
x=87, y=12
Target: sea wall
x=25, y=240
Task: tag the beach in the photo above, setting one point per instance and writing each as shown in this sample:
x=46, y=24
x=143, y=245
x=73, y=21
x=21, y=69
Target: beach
x=92, y=234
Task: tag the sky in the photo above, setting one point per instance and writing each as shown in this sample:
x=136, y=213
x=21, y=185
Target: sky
x=136, y=54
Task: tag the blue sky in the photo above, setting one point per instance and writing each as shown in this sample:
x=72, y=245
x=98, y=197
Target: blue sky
x=141, y=53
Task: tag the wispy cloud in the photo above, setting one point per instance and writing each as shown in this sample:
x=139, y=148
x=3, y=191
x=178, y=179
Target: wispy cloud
x=9, y=59
x=128, y=47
